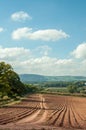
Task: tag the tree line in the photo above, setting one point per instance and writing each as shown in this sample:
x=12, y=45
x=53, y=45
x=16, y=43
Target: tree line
x=10, y=83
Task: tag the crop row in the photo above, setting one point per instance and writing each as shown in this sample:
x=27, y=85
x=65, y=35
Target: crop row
x=19, y=111
x=64, y=112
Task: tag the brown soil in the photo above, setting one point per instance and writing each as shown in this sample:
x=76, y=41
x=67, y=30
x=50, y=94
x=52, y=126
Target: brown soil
x=45, y=112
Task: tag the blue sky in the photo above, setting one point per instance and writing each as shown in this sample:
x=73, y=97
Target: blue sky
x=45, y=37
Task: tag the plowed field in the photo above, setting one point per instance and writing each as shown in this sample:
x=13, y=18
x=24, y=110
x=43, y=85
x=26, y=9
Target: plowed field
x=45, y=112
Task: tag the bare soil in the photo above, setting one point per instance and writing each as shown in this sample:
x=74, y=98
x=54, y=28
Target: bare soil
x=45, y=112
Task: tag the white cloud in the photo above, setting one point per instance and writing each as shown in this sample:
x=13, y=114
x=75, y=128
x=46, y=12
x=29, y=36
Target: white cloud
x=19, y=16
x=21, y=33
x=80, y=51
x=48, y=35
x=25, y=61
x=1, y=29
x=13, y=53
x=45, y=35
x=22, y=61
x=48, y=66
x=43, y=50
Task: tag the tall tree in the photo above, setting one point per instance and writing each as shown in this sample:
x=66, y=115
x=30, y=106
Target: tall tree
x=9, y=80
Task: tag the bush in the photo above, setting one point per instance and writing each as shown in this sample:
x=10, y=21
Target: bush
x=72, y=89
x=5, y=98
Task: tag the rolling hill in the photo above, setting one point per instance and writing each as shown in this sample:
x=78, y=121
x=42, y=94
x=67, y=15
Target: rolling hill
x=34, y=78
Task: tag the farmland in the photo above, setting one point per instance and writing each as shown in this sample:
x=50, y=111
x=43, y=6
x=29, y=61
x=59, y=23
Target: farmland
x=45, y=111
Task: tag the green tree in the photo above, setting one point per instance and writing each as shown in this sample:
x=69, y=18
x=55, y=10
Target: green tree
x=9, y=81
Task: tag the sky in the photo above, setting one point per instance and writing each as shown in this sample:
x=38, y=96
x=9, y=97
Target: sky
x=46, y=37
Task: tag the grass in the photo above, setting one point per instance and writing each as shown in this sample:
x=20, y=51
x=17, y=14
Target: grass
x=61, y=91
x=9, y=101
x=49, y=90
x=55, y=90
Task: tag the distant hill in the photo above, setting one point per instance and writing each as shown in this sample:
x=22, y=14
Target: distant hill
x=32, y=78
x=66, y=78
x=29, y=78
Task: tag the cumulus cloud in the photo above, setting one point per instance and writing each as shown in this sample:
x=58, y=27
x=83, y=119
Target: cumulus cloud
x=48, y=35
x=25, y=61
x=48, y=66
x=13, y=53
x=20, y=16
x=80, y=51
x=1, y=29
x=44, y=35
x=44, y=65
x=43, y=50
x=21, y=33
